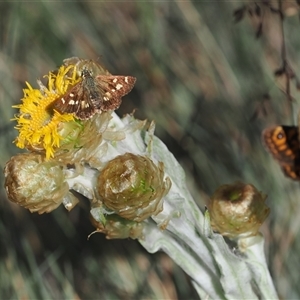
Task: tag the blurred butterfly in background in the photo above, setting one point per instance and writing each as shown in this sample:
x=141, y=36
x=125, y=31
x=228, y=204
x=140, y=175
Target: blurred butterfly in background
x=283, y=143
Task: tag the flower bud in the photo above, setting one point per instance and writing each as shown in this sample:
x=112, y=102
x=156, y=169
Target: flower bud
x=133, y=187
x=34, y=183
x=82, y=141
x=237, y=210
x=118, y=228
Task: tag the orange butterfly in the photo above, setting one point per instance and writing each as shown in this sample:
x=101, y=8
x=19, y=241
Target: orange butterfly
x=283, y=143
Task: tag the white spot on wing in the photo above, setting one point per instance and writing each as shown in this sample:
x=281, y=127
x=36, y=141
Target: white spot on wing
x=119, y=86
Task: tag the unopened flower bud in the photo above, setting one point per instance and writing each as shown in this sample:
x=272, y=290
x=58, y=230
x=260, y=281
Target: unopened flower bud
x=237, y=210
x=34, y=183
x=118, y=228
x=133, y=187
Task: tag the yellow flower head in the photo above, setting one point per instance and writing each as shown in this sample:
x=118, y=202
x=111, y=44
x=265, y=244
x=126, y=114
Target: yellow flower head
x=40, y=126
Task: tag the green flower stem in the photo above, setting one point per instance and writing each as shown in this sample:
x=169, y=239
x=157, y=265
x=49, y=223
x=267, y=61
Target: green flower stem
x=202, y=273
x=256, y=262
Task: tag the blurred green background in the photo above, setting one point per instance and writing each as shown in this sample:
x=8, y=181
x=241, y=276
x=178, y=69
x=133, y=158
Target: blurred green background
x=206, y=81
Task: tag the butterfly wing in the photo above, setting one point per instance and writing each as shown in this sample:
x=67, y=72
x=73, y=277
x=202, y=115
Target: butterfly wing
x=112, y=89
x=292, y=171
x=283, y=143
x=78, y=101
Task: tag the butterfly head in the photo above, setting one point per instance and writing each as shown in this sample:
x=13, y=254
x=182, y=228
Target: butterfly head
x=94, y=67
x=85, y=73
